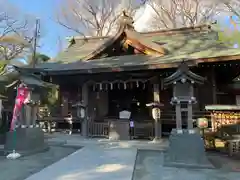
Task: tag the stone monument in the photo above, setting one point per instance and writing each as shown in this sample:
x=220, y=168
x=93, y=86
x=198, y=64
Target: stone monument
x=27, y=137
x=186, y=147
x=119, y=128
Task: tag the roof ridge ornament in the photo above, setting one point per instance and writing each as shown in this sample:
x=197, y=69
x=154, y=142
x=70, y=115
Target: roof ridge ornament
x=126, y=21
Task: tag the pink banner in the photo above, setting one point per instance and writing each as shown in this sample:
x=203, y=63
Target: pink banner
x=21, y=98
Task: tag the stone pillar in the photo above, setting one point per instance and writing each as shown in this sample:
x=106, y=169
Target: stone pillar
x=34, y=113
x=190, y=114
x=157, y=123
x=178, y=116
x=84, y=126
x=28, y=115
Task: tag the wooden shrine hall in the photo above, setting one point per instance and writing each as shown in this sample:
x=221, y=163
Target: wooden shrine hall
x=126, y=71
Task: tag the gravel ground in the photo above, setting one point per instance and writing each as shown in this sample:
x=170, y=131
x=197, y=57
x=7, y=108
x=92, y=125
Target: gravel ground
x=23, y=167
x=149, y=166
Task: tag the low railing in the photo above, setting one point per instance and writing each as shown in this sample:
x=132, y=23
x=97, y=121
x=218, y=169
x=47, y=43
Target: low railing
x=143, y=130
x=60, y=123
x=98, y=129
x=140, y=130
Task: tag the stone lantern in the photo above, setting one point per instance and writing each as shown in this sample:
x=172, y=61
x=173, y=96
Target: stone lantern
x=182, y=82
x=186, y=147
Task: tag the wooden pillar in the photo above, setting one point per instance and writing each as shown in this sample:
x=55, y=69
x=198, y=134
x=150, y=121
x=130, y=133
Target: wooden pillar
x=214, y=86
x=84, y=126
x=157, y=123
x=190, y=114
x=64, y=104
x=190, y=110
x=178, y=116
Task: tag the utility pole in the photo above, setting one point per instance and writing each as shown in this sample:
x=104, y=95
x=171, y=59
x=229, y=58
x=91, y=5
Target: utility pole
x=34, y=60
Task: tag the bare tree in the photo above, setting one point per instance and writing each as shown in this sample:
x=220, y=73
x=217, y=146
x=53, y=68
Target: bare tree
x=182, y=13
x=94, y=17
x=15, y=30
x=233, y=6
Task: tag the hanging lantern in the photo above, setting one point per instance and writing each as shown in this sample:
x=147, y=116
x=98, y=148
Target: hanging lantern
x=156, y=113
x=98, y=96
x=111, y=86
x=137, y=84
x=202, y=123
x=125, y=85
x=100, y=86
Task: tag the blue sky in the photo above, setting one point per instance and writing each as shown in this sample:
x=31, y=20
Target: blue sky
x=45, y=10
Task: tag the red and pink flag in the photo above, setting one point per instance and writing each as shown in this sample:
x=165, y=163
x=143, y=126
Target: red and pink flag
x=21, y=98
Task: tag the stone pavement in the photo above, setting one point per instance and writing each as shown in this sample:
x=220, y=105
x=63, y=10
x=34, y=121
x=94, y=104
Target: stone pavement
x=149, y=166
x=90, y=163
x=107, y=160
x=76, y=139
x=25, y=166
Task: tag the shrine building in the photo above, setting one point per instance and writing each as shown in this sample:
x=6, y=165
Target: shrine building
x=126, y=71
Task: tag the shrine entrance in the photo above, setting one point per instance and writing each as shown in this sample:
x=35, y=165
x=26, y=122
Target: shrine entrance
x=111, y=99
x=133, y=100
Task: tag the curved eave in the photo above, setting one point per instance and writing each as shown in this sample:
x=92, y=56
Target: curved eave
x=183, y=72
x=177, y=79
x=34, y=81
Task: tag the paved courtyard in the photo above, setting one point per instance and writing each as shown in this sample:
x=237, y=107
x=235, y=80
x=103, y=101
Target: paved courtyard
x=149, y=166
x=23, y=167
x=105, y=160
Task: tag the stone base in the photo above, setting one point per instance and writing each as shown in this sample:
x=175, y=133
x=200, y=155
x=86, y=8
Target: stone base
x=2, y=138
x=119, y=130
x=157, y=140
x=28, y=141
x=186, y=150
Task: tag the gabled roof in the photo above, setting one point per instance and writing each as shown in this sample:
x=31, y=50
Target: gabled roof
x=160, y=49
x=85, y=48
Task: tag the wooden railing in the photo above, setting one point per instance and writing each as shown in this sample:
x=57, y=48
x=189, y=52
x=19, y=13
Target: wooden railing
x=143, y=130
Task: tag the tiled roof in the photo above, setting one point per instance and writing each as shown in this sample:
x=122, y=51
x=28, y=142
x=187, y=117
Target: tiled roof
x=84, y=46
x=80, y=49
x=197, y=43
